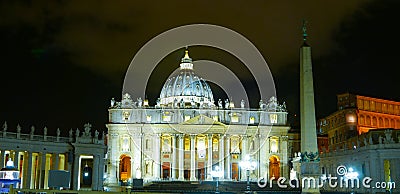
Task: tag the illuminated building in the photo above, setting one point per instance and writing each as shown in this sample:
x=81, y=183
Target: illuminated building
x=363, y=135
x=185, y=135
x=36, y=155
x=357, y=115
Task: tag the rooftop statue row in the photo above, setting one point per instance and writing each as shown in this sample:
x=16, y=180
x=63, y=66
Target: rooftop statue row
x=271, y=105
x=84, y=137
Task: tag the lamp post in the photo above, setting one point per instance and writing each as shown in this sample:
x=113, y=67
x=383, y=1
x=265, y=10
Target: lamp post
x=217, y=173
x=248, y=165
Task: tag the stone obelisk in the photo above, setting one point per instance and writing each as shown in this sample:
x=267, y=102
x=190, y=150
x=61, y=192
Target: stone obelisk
x=310, y=171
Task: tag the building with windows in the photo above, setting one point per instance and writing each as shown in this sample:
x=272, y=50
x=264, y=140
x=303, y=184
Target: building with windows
x=357, y=115
x=36, y=157
x=363, y=135
x=185, y=135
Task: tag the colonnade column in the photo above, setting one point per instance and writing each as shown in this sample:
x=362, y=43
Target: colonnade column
x=221, y=154
x=28, y=170
x=96, y=168
x=42, y=170
x=209, y=156
x=173, y=165
x=192, y=158
x=243, y=173
x=75, y=173
x=228, y=157
x=157, y=161
x=55, y=163
x=3, y=154
x=181, y=157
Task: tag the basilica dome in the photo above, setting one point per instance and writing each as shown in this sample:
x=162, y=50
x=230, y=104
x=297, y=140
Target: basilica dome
x=185, y=89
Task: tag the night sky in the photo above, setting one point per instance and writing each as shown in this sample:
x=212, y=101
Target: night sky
x=62, y=61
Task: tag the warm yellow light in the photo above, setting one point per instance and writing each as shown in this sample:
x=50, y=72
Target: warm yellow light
x=187, y=117
x=215, y=118
x=166, y=118
x=274, y=146
x=234, y=119
x=252, y=120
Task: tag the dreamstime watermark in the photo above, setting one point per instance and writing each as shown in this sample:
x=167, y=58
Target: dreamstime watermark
x=347, y=178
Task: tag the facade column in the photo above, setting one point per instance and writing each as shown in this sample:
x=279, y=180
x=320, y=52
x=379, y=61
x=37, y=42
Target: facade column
x=173, y=165
x=283, y=149
x=28, y=170
x=209, y=157
x=192, y=158
x=181, y=157
x=228, y=169
x=113, y=158
x=76, y=172
x=95, y=174
x=42, y=170
x=157, y=161
x=3, y=154
x=221, y=154
x=137, y=159
x=264, y=161
x=244, y=151
x=56, y=160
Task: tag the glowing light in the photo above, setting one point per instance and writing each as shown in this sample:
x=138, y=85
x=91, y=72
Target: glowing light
x=86, y=174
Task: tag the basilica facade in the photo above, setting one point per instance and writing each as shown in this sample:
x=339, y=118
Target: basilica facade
x=186, y=135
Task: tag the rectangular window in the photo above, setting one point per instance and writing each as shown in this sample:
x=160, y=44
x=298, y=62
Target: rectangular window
x=166, y=118
x=148, y=118
x=187, y=117
x=251, y=121
x=234, y=118
x=273, y=118
x=215, y=118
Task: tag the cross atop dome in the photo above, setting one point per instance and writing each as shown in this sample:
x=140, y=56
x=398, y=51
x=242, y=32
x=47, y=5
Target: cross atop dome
x=186, y=61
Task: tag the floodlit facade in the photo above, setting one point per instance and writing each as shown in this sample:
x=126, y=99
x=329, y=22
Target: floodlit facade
x=35, y=157
x=186, y=135
x=363, y=135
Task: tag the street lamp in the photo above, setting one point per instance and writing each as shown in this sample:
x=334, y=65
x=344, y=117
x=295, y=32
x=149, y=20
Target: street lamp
x=217, y=173
x=248, y=165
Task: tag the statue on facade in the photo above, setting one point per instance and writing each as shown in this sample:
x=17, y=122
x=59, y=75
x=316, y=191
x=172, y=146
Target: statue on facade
x=139, y=102
x=77, y=133
x=112, y=102
x=380, y=139
x=96, y=134
x=18, y=128
x=58, y=132
x=220, y=104
x=70, y=133
x=45, y=131
x=226, y=103
x=5, y=126
x=388, y=137
x=158, y=103
x=182, y=104
x=32, y=130
x=365, y=141
x=242, y=103
x=87, y=127
x=175, y=103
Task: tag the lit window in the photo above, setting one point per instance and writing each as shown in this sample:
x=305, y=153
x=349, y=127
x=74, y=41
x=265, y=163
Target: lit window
x=148, y=118
x=215, y=118
x=166, y=118
x=273, y=118
x=126, y=115
x=234, y=118
x=187, y=117
x=251, y=120
x=274, y=145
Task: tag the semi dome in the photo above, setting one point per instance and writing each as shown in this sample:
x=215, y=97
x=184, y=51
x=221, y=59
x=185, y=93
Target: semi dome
x=186, y=89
